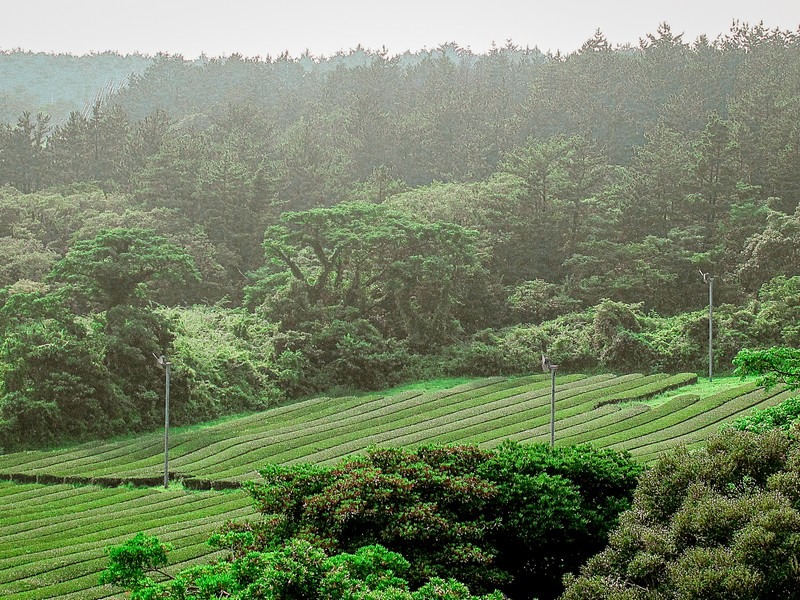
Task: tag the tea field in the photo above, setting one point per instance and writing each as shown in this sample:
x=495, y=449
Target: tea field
x=59, y=509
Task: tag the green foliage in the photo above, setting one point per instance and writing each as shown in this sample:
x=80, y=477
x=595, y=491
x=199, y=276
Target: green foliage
x=366, y=261
x=483, y=204
x=514, y=350
x=613, y=336
x=771, y=252
x=404, y=501
x=616, y=336
x=53, y=216
x=620, y=337
x=651, y=271
x=555, y=508
x=775, y=417
x=721, y=522
x=53, y=382
x=408, y=524
x=64, y=377
x=42, y=523
x=516, y=518
x=23, y=259
x=223, y=362
x=343, y=354
x=486, y=355
x=775, y=365
x=122, y=267
x=297, y=570
x=357, y=289
x=536, y=301
x=777, y=320
x=130, y=562
x=369, y=569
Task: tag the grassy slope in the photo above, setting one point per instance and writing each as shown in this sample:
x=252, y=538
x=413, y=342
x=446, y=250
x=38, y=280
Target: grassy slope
x=52, y=536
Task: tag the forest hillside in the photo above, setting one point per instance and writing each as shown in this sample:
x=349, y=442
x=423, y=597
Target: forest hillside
x=282, y=226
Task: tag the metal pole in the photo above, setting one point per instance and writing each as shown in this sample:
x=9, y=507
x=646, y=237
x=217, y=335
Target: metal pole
x=552, y=406
x=166, y=429
x=710, y=328
x=548, y=366
x=707, y=278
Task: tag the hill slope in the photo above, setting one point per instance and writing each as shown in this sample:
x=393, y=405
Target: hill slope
x=53, y=536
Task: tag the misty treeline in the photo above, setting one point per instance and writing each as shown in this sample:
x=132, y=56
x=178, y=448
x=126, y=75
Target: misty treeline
x=287, y=226
x=59, y=84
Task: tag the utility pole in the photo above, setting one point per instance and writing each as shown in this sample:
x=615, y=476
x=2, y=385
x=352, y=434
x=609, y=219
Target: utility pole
x=165, y=364
x=548, y=366
x=708, y=279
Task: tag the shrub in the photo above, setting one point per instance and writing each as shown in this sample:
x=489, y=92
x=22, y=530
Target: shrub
x=223, y=361
x=723, y=522
x=775, y=417
x=297, y=570
x=424, y=524
x=515, y=518
x=350, y=354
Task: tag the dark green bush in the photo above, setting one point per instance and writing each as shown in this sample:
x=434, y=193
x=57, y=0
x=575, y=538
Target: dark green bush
x=516, y=518
x=341, y=354
x=722, y=522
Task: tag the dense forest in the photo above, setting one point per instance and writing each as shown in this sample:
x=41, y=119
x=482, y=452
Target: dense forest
x=283, y=226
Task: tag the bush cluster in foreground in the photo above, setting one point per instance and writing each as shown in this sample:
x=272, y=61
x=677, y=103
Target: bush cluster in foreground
x=509, y=521
x=722, y=522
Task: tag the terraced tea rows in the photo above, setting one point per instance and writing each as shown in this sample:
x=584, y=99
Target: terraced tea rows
x=52, y=536
x=323, y=430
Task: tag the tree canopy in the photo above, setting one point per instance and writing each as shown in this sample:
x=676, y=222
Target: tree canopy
x=124, y=266
x=436, y=518
x=367, y=261
x=721, y=522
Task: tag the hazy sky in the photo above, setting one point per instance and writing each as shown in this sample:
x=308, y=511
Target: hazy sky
x=259, y=28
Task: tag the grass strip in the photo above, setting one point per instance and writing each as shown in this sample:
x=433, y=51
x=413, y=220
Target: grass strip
x=668, y=415
x=362, y=434
x=664, y=384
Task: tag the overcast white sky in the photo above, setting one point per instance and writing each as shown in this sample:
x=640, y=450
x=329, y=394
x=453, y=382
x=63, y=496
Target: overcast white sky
x=259, y=28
